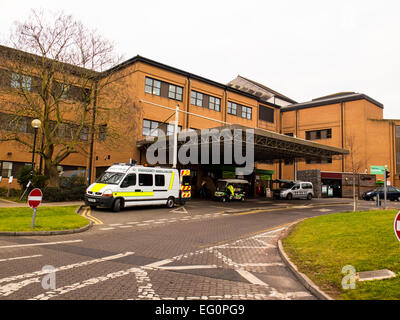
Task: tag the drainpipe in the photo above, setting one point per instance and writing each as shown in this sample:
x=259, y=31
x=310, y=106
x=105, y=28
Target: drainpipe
x=92, y=134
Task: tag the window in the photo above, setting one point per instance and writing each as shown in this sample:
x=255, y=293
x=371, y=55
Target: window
x=170, y=129
x=6, y=169
x=145, y=180
x=103, y=132
x=175, y=92
x=289, y=161
x=196, y=98
x=214, y=103
x=246, y=112
x=160, y=180
x=319, y=134
x=232, y=108
x=266, y=114
x=148, y=127
x=85, y=133
x=130, y=180
x=152, y=86
x=21, y=81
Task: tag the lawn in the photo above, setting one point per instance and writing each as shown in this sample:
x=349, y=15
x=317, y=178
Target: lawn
x=47, y=219
x=323, y=245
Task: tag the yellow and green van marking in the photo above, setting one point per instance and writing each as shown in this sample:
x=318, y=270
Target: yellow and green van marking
x=97, y=187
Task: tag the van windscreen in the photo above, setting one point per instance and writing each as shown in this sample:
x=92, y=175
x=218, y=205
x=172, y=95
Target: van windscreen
x=110, y=177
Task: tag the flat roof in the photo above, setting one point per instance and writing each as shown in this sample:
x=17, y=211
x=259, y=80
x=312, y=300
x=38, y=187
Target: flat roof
x=268, y=145
x=331, y=100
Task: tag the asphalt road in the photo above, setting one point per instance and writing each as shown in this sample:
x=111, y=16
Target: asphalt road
x=204, y=250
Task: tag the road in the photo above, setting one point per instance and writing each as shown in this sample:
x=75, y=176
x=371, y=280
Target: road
x=204, y=250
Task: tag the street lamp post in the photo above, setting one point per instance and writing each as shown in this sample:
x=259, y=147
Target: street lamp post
x=36, y=125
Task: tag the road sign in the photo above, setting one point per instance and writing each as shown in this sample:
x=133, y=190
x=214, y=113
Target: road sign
x=34, y=198
x=397, y=226
x=377, y=169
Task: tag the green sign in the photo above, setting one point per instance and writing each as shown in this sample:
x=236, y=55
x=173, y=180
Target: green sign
x=377, y=169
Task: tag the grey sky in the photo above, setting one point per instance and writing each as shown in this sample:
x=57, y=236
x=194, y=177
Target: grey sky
x=303, y=49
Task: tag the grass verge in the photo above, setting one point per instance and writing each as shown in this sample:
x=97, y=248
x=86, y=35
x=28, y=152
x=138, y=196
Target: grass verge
x=47, y=219
x=322, y=246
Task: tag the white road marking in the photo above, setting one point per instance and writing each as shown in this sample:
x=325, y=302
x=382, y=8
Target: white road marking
x=272, y=264
x=158, y=263
x=40, y=244
x=251, y=278
x=62, y=268
x=125, y=226
x=143, y=224
x=189, y=267
x=18, y=258
x=115, y=224
x=107, y=228
x=323, y=210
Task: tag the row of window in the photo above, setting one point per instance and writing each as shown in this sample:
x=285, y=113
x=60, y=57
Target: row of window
x=319, y=134
x=164, y=89
x=64, y=130
x=150, y=128
x=145, y=180
x=33, y=84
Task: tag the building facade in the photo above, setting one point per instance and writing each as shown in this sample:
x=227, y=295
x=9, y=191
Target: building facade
x=347, y=120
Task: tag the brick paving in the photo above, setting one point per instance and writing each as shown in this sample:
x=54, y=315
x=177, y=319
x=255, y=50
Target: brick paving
x=187, y=257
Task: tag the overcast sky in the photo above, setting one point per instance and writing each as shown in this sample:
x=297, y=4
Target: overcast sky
x=303, y=49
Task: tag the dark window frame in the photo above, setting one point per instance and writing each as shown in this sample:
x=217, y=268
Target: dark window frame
x=173, y=94
x=151, y=87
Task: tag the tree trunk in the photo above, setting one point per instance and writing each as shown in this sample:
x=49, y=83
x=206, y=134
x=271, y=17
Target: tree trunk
x=52, y=173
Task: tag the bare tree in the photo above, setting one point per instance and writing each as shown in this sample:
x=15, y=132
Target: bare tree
x=355, y=163
x=57, y=72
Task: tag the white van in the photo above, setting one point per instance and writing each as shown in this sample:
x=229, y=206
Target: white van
x=128, y=185
x=298, y=190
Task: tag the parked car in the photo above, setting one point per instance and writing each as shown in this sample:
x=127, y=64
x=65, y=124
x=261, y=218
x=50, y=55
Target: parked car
x=392, y=194
x=300, y=189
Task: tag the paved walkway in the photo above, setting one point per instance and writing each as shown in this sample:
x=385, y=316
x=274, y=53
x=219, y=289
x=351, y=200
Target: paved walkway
x=10, y=204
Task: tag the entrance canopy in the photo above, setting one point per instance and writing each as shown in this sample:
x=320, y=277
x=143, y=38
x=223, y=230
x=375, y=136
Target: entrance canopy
x=268, y=145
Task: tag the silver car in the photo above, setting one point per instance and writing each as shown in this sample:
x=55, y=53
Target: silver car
x=298, y=191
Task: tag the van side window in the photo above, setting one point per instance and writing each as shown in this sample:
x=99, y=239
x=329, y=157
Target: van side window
x=296, y=187
x=130, y=180
x=160, y=180
x=145, y=180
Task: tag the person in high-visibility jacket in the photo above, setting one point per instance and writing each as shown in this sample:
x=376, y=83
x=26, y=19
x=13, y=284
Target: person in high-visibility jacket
x=231, y=191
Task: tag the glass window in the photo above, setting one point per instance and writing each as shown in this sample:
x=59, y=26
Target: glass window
x=246, y=112
x=215, y=103
x=232, y=108
x=103, y=132
x=145, y=180
x=6, y=169
x=110, y=177
x=175, y=92
x=149, y=127
x=152, y=86
x=160, y=180
x=196, y=98
x=21, y=81
x=170, y=129
x=130, y=180
x=85, y=133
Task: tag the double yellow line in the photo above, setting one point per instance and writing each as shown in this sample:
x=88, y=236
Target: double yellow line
x=87, y=215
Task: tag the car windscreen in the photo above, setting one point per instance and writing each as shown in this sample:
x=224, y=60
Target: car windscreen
x=221, y=186
x=110, y=177
x=286, y=185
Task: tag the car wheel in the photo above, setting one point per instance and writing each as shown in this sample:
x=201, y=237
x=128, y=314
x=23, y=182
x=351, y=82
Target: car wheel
x=242, y=199
x=92, y=207
x=223, y=199
x=170, y=202
x=309, y=196
x=117, y=205
x=289, y=196
x=374, y=198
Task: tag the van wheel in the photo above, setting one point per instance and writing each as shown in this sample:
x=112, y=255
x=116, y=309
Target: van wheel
x=309, y=196
x=170, y=202
x=289, y=196
x=117, y=205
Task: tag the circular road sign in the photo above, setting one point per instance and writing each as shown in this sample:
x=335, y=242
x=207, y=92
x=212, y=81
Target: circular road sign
x=34, y=198
x=397, y=225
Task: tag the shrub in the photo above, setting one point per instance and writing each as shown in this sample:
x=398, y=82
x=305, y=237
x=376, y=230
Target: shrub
x=71, y=189
x=24, y=175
